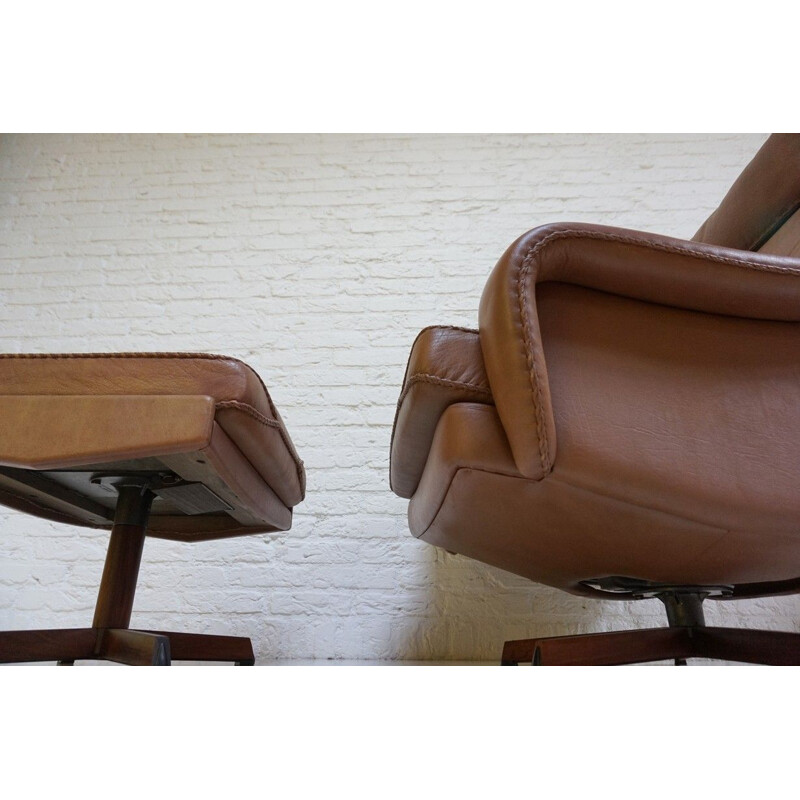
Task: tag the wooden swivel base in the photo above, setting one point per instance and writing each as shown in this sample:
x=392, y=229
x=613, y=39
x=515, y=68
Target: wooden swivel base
x=656, y=644
x=123, y=645
x=687, y=637
x=110, y=638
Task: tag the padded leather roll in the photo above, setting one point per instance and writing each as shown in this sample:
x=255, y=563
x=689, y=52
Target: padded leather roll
x=445, y=367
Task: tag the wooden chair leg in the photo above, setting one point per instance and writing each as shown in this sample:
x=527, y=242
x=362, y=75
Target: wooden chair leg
x=657, y=644
x=602, y=649
x=518, y=651
x=751, y=646
x=206, y=647
x=124, y=556
x=122, y=645
x=135, y=648
x=67, y=644
x=110, y=638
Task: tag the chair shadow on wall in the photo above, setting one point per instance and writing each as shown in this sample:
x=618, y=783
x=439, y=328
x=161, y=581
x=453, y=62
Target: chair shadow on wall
x=466, y=610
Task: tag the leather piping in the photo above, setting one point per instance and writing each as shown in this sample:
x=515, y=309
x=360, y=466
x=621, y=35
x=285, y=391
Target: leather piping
x=209, y=356
x=249, y=410
x=404, y=388
x=298, y=463
x=424, y=377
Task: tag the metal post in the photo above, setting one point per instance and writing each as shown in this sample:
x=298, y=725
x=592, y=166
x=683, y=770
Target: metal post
x=684, y=610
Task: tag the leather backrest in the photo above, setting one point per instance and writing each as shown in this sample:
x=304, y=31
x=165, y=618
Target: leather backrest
x=786, y=240
x=761, y=201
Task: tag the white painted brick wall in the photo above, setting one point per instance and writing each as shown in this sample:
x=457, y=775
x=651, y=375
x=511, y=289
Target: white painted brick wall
x=316, y=259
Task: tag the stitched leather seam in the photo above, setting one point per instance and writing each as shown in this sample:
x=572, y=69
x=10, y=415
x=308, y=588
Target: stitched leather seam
x=435, y=380
x=530, y=358
x=522, y=298
x=447, y=328
x=434, y=328
x=423, y=377
x=207, y=356
x=249, y=410
x=298, y=463
x=271, y=423
x=403, y=387
x=689, y=251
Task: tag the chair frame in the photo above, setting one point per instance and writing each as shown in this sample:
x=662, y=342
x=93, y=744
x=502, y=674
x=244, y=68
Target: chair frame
x=110, y=638
x=686, y=637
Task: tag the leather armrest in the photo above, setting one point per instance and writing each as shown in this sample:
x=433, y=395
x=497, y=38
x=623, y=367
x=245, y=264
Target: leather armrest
x=642, y=266
x=445, y=367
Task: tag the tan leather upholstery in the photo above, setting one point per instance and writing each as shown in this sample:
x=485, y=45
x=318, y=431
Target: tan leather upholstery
x=786, y=240
x=207, y=418
x=764, y=196
x=445, y=367
x=646, y=417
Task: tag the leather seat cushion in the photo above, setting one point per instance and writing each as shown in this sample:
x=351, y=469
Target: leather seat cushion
x=243, y=407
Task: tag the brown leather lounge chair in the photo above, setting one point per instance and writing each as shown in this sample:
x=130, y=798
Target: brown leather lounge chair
x=626, y=422
x=178, y=446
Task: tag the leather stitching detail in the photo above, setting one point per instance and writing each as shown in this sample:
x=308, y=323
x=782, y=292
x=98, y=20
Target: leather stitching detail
x=249, y=410
x=207, y=356
x=405, y=386
x=530, y=358
x=687, y=250
x=298, y=463
x=235, y=405
x=447, y=328
x=422, y=377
